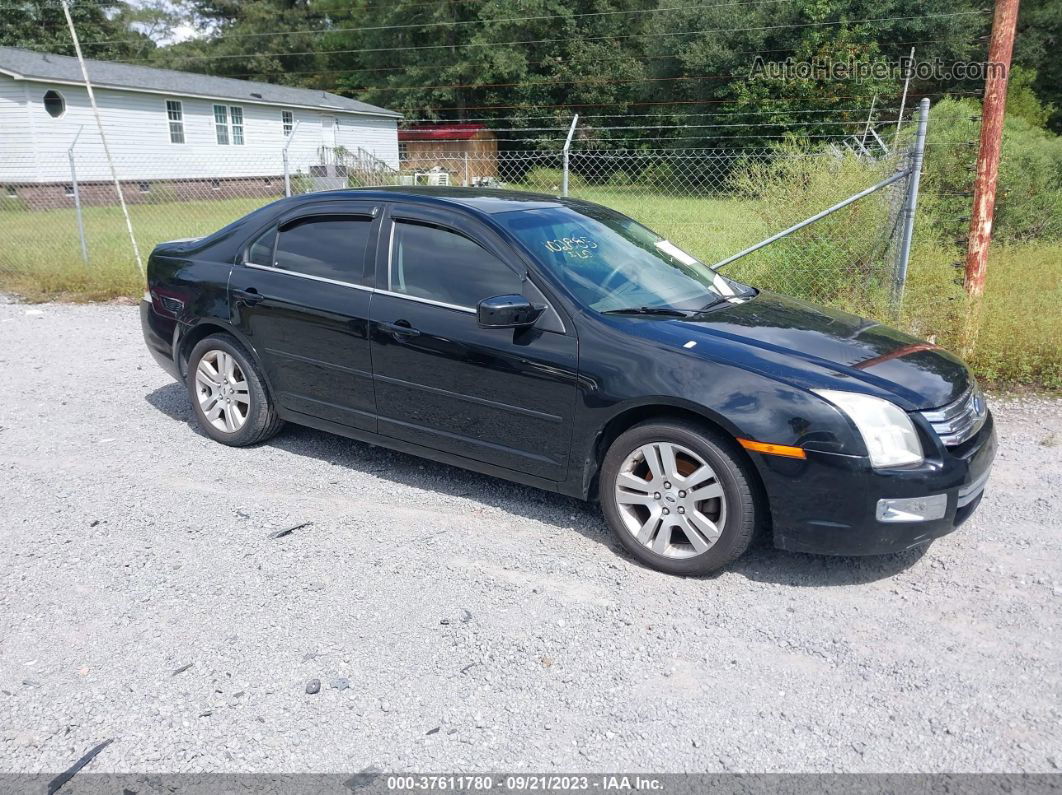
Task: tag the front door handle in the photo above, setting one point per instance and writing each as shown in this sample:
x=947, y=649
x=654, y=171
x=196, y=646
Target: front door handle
x=250, y=296
x=400, y=328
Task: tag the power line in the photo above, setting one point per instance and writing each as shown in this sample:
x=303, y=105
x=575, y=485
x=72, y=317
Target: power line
x=670, y=102
x=375, y=69
x=319, y=31
x=563, y=81
x=650, y=115
x=411, y=48
x=601, y=139
x=820, y=122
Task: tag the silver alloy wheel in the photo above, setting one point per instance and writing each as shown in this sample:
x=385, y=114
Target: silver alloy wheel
x=670, y=500
x=222, y=391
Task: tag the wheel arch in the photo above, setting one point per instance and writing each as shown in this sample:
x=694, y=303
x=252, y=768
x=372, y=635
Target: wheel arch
x=205, y=328
x=628, y=417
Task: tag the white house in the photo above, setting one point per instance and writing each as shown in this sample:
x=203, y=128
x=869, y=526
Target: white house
x=189, y=132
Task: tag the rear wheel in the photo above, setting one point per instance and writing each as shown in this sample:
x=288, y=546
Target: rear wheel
x=678, y=498
x=228, y=393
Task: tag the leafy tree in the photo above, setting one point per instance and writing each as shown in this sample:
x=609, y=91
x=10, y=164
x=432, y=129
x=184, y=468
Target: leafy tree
x=1022, y=102
x=274, y=41
x=720, y=44
x=103, y=27
x=450, y=60
x=1036, y=47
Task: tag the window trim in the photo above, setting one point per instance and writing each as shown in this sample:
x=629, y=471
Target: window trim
x=287, y=122
x=179, y=121
x=310, y=276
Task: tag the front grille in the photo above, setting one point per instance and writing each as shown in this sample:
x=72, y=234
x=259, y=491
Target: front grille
x=961, y=420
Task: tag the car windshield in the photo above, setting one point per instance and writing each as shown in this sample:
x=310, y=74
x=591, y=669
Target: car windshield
x=610, y=262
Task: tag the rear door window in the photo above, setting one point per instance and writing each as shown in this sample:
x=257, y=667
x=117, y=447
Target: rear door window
x=324, y=246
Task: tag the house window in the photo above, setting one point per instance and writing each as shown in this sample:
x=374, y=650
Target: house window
x=221, y=124
x=223, y=117
x=54, y=104
x=403, y=150
x=288, y=118
x=237, y=125
x=175, y=114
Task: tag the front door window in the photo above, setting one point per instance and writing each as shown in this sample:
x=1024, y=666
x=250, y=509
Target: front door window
x=440, y=265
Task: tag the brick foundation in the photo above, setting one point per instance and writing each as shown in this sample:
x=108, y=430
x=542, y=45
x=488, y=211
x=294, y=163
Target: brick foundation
x=53, y=195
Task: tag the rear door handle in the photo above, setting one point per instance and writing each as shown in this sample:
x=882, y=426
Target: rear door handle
x=400, y=328
x=250, y=296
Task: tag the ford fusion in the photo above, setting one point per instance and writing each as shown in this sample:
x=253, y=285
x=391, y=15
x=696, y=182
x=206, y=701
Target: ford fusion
x=560, y=344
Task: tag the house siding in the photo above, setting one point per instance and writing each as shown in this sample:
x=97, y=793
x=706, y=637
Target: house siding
x=17, y=163
x=33, y=148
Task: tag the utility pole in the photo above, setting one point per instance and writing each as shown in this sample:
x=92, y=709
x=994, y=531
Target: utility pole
x=994, y=108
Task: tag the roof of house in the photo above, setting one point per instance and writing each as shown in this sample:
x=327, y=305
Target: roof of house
x=441, y=132
x=30, y=65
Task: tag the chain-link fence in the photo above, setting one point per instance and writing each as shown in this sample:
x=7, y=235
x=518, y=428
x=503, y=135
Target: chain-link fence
x=714, y=203
x=65, y=227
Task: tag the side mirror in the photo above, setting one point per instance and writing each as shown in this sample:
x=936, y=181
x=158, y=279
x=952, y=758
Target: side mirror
x=507, y=311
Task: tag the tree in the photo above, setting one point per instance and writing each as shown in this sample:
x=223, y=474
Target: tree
x=1036, y=47
x=103, y=27
x=274, y=41
x=534, y=63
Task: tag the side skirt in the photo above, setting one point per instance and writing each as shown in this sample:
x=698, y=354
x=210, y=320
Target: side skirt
x=442, y=457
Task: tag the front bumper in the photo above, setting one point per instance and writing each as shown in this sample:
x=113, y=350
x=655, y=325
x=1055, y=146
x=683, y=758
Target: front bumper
x=828, y=504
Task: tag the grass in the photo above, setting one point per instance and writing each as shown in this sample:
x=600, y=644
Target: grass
x=1020, y=328
x=1020, y=335
x=40, y=256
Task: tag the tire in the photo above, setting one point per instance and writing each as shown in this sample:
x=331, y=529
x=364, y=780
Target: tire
x=691, y=531
x=241, y=394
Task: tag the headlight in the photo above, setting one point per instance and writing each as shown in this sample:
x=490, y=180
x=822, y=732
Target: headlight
x=886, y=429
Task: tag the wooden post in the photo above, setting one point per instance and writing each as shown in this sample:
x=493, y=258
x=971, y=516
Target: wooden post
x=994, y=109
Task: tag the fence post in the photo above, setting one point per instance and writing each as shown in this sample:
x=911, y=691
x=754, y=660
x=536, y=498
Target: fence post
x=77, y=196
x=567, y=146
x=467, y=183
x=284, y=156
x=910, y=205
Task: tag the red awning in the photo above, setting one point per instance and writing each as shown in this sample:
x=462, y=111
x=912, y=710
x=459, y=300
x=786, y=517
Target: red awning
x=441, y=132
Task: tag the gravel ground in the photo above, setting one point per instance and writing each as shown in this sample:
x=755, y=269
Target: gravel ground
x=457, y=622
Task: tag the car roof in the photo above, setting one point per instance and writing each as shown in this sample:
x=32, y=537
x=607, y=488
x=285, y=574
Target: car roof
x=485, y=200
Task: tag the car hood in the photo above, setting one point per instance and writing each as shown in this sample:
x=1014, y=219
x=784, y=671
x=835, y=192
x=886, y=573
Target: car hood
x=829, y=348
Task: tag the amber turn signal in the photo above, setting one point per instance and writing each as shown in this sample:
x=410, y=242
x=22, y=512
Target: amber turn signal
x=773, y=449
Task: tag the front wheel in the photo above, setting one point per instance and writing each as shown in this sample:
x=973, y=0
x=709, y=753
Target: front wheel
x=677, y=498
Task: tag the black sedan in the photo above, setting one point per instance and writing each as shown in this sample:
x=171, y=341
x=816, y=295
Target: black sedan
x=560, y=344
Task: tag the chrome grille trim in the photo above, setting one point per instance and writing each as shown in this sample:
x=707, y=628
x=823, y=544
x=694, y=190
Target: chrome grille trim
x=961, y=420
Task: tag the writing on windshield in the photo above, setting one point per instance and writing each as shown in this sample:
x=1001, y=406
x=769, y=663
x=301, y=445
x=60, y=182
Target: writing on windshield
x=610, y=262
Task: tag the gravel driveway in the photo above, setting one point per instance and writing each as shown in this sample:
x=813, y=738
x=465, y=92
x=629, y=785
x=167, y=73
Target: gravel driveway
x=457, y=622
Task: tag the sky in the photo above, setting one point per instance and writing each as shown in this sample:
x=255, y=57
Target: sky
x=181, y=33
